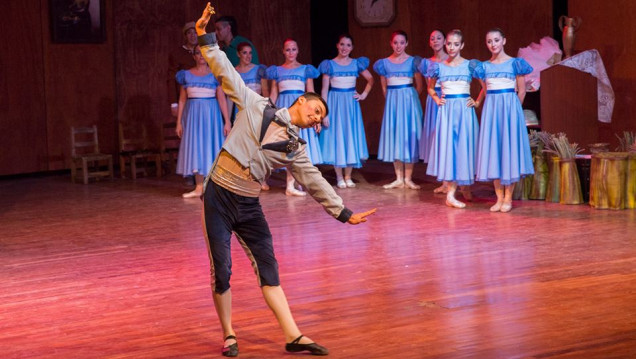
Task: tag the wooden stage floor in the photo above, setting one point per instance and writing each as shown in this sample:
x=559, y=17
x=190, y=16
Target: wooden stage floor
x=120, y=270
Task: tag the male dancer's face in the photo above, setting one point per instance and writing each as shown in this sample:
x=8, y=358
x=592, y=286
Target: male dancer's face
x=308, y=112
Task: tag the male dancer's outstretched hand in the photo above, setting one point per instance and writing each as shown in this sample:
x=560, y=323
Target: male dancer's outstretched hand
x=204, y=19
x=358, y=218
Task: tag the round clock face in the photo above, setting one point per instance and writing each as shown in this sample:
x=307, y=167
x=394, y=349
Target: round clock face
x=374, y=12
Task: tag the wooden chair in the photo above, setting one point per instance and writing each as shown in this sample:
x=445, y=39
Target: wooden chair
x=170, y=146
x=85, y=155
x=134, y=149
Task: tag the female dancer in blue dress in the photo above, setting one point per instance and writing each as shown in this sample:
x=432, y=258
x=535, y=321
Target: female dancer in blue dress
x=253, y=75
x=436, y=41
x=452, y=157
x=202, y=122
x=503, y=149
x=342, y=140
x=289, y=81
x=402, y=119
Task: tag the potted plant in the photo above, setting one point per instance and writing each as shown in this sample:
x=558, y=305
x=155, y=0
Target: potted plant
x=552, y=193
x=540, y=178
x=569, y=182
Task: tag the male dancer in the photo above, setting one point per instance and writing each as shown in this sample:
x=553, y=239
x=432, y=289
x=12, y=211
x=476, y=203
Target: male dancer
x=263, y=138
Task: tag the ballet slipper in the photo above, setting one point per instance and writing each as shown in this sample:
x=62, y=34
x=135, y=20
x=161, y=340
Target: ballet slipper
x=441, y=189
x=341, y=183
x=193, y=194
x=350, y=183
x=291, y=191
x=506, y=207
x=496, y=207
x=451, y=201
x=230, y=350
x=410, y=184
x=398, y=183
x=312, y=348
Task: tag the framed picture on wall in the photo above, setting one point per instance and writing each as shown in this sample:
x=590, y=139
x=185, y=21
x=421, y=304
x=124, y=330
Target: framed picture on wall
x=77, y=21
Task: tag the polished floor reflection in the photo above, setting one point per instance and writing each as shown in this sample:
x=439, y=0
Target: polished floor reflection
x=119, y=270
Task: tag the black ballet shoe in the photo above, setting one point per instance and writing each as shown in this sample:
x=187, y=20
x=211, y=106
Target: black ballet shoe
x=232, y=350
x=313, y=348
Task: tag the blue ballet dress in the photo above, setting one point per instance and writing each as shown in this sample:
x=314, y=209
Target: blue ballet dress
x=343, y=143
x=291, y=84
x=452, y=156
x=503, y=149
x=402, y=119
x=202, y=124
x=252, y=79
x=430, y=115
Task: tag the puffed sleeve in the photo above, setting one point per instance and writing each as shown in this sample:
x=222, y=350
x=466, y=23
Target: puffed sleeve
x=423, y=67
x=472, y=65
x=261, y=72
x=417, y=60
x=311, y=72
x=521, y=66
x=181, y=77
x=363, y=63
x=479, y=71
x=325, y=68
x=215, y=81
x=433, y=70
x=378, y=67
x=272, y=72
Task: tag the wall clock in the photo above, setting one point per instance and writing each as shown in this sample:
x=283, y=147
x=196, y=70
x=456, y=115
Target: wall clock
x=374, y=12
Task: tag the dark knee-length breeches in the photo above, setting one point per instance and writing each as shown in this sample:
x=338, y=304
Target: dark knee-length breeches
x=226, y=212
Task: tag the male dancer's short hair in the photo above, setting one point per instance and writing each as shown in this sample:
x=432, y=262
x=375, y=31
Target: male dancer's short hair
x=313, y=96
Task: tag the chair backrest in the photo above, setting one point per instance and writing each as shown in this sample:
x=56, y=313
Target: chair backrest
x=84, y=141
x=132, y=137
x=169, y=140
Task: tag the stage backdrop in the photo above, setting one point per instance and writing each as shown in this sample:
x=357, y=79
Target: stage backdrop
x=46, y=87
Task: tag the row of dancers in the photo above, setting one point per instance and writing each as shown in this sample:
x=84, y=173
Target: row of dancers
x=446, y=134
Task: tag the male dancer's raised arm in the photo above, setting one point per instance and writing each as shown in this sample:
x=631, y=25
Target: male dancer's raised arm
x=221, y=67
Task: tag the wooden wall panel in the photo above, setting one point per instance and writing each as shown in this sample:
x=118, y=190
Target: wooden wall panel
x=274, y=21
x=22, y=105
x=568, y=104
x=266, y=23
x=523, y=22
x=80, y=90
x=145, y=33
x=610, y=29
x=147, y=30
